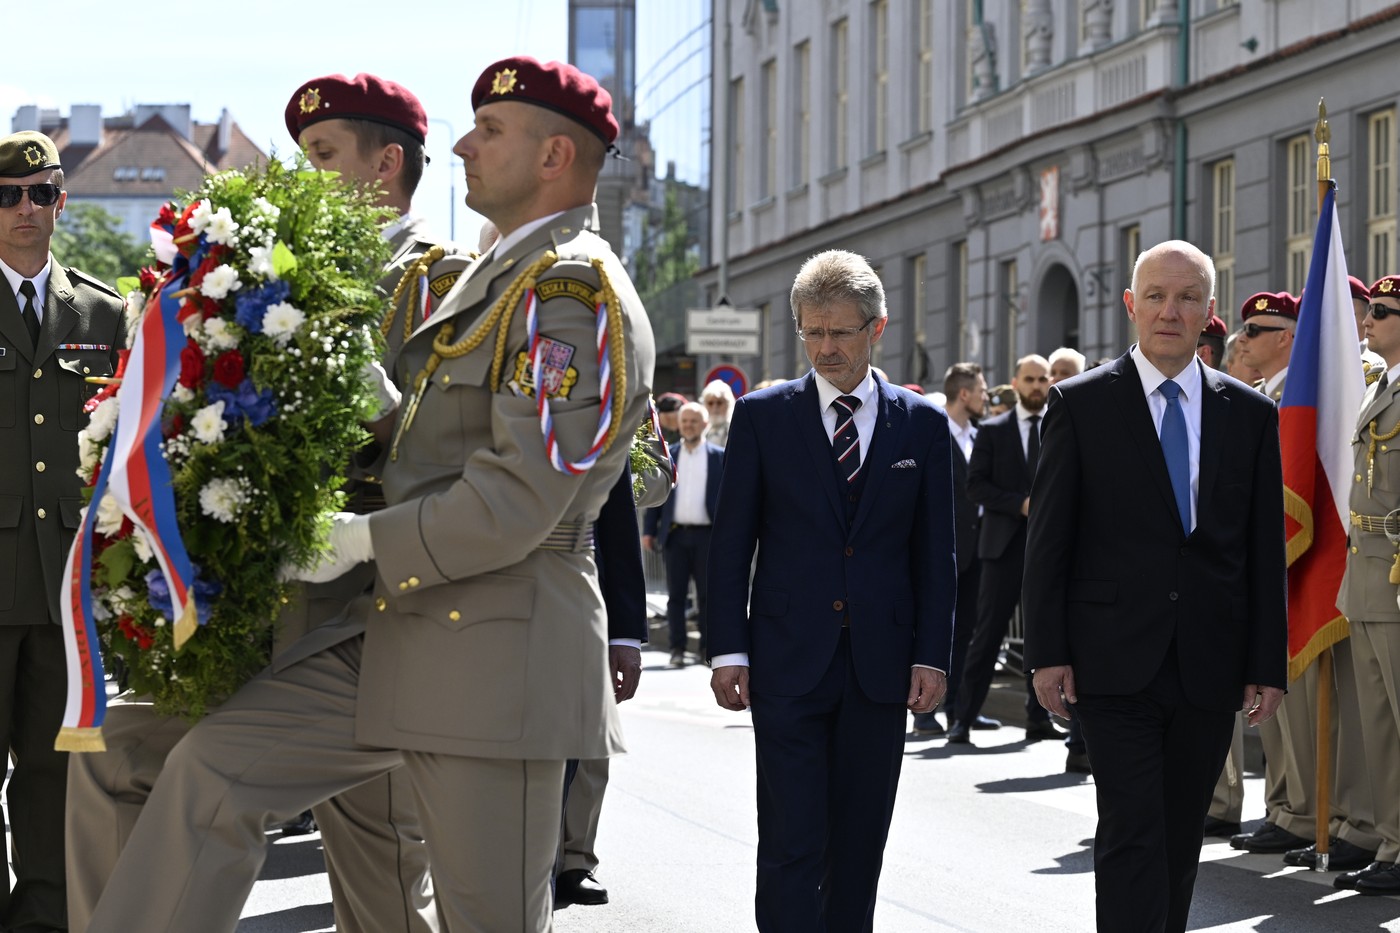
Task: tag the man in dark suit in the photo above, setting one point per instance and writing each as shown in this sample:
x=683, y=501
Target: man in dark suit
x=680, y=527
x=844, y=484
x=1159, y=611
x=57, y=326
x=965, y=388
x=999, y=480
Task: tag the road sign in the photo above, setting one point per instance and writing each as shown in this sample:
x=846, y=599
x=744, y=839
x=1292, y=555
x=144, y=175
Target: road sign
x=728, y=320
x=720, y=342
x=730, y=375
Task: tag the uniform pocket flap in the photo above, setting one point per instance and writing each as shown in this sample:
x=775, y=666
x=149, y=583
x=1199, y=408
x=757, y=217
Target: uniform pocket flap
x=487, y=597
x=1093, y=591
x=10, y=507
x=87, y=363
x=71, y=511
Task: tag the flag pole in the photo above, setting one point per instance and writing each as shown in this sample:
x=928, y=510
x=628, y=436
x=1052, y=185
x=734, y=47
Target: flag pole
x=1323, y=134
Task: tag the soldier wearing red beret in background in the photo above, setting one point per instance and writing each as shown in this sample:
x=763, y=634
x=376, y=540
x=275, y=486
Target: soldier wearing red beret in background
x=1373, y=362
x=1210, y=345
x=480, y=662
x=1266, y=340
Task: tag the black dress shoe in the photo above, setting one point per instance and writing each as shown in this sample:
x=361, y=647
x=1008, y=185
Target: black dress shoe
x=1348, y=880
x=1078, y=763
x=1043, y=729
x=958, y=734
x=1223, y=828
x=1272, y=839
x=927, y=724
x=986, y=722
x=678, y=658
x=1380, y=883
x=1341, y=856
x=1238, y=842
x=300, y=826
x=577, y=886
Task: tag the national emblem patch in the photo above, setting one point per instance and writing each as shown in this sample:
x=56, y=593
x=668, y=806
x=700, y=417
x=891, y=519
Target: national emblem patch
x=556, y=375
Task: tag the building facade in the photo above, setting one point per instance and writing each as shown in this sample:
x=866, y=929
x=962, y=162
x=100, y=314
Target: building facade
x=1002, y=162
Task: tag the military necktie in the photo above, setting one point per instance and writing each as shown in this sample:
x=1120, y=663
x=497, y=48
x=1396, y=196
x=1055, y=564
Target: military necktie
x=845, y=443
x=1176, y=451
x=30, y=312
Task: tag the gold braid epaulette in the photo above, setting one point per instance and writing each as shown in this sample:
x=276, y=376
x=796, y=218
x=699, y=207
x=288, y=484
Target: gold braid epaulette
x=408, y=282
x=1371, y=451
x=617, y=353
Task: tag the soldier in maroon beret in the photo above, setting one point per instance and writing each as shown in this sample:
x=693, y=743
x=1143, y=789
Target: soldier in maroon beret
x=1266, y=342
x=1210, y=345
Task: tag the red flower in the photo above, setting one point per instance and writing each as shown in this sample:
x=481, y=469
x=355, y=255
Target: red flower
x=166, y=217
x=191, y=366
x=149, y=277
x=229, y=369
x=137, y=633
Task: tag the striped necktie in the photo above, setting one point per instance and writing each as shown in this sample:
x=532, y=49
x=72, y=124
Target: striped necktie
x=845, y=443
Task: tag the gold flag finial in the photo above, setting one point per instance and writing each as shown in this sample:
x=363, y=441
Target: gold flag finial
x=1323, y=134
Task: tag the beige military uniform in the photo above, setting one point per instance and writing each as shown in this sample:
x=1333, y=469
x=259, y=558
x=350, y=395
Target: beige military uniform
x=484, y=662
x=376, y=858
x=1368, y=600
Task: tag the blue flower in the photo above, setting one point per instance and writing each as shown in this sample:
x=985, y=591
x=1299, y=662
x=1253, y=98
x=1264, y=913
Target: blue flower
x=158, y=594
x=252, y=303
x=243, y=402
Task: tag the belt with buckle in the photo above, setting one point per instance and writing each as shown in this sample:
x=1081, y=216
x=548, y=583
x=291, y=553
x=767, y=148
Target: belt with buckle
x=569, y=536
x=1379, y=524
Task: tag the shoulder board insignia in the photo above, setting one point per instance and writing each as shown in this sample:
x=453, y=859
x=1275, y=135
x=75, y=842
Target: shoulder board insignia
x=443, y=284
x=568, y=288
x=1372, y=376
x=89, y=280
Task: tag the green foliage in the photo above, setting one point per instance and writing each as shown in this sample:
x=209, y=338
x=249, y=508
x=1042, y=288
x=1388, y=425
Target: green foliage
x=88, y=238
x=670, y=259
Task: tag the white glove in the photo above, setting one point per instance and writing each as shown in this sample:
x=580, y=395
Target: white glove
x=351, y=544
x=387, y=395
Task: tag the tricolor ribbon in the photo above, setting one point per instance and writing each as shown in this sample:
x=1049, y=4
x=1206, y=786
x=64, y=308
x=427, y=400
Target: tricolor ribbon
x=551, y=444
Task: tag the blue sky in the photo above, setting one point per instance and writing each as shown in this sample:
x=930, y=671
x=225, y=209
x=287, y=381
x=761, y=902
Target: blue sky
x=249, y=57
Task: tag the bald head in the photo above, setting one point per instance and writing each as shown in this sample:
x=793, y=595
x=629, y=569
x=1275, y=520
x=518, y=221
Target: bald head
x=1183, y=250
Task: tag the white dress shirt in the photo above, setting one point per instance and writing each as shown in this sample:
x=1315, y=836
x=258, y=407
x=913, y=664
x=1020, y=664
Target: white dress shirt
x=41, y=287
x=692, y=473
x=1190, y=381
x=963, y=436
x=1023, y=421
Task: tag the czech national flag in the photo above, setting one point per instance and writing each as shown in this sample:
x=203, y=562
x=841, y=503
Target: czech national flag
x=1316, y=415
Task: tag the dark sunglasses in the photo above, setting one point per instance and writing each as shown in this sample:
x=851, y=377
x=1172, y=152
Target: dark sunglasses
x=1380, y=312
x=39, y=195
x=1254, y=330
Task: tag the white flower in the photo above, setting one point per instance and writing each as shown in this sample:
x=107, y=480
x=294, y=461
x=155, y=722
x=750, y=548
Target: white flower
x=219, y=282
x=181, y=393
x=281, y=321
x=222, y=498
x=89, y=456
x=134, y=304
x=219, y=336
x=193, y=325
x=201, y=215
x=103, y=419
x=109, y=516
x=142, y=544
x=260, y=262
x=222, y=227
x=208, y=423
x=266, y=208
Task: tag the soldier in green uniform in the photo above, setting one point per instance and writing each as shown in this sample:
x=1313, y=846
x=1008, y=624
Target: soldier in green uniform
x=57, y=327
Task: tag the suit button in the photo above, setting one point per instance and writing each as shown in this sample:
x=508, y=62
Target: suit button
x=838, y=605
x=44, y=514
x=1183, y=552
x=86, y=370
x=381, y=603
x=414, y=581
x=850, y=551
x=403, y=584
x=1354, y=548
x=1172, y=596
x=38, y=373
x=40, y=466
x=454, y=615
x=1358, y=477
x=38, y=419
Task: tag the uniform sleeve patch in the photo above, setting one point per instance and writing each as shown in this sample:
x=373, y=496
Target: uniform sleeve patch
x=443, y=284
x=568, y=288
x=556, y=374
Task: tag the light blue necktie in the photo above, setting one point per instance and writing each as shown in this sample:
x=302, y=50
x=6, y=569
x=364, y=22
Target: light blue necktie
x=1175, y=449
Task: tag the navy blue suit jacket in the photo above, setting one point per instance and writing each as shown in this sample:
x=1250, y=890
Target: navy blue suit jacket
x=998, y=480
x=658, y=520
x=892, y=568
x=618, y=551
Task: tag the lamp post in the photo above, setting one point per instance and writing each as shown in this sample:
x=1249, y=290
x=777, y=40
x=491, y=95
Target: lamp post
x=451, y=178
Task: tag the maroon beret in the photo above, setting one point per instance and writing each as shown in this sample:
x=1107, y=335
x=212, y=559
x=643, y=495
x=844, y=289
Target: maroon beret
x=1215, y=327
x=1359, y=291
x=556, y=86
x=1386, y=287
x=1280, y=303
x=670, y=401
x=364, y=97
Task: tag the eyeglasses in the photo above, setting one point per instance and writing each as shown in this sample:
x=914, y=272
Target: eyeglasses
x=1380, y=312
x=39, y=195
x=1254, y=330
x=817, y=335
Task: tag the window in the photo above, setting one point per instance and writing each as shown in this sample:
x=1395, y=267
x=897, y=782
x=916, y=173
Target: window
x=768, y=180
x=967, y=340
x=923, y=55
x=1302, y=203
x=918, y=295
x=1380, y=200
x=1222, y=240
x=802, y=116
x=1010, y=294
x=736, y=145
x=840, y=93
x=879, y=75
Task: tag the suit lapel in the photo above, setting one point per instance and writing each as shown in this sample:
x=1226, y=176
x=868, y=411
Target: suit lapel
x=1215, y=414
x=807, y=412
x=1137, y=420
x=890, y=420
x=60, y=316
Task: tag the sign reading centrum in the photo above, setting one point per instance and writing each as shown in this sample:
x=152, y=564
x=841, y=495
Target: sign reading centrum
x=722, y=330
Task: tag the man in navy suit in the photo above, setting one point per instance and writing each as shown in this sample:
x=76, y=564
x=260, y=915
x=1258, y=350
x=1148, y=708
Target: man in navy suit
x=680, y=527
x=1156, y=604
x=844, y=484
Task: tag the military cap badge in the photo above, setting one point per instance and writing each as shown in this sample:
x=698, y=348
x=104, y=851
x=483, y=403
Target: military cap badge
x=1261, y=304
x=33, y=156
x=310, y=100
x=504, y=81
x=1387, y=285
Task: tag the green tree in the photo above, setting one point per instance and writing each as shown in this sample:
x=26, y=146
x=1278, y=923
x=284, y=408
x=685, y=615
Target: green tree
x=89, y=238
x=668, y=259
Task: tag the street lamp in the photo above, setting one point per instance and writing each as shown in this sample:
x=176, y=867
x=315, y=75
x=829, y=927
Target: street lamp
x=451, y=178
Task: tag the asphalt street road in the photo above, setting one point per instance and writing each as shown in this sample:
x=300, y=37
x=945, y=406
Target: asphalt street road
x=990, y=839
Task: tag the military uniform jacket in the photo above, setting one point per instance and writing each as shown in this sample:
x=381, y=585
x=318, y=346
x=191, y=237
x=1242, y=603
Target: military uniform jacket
x=42, y=392
x=1367, y=595
x=479, y=642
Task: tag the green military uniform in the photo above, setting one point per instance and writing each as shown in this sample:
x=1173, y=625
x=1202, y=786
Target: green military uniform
x=43, y=387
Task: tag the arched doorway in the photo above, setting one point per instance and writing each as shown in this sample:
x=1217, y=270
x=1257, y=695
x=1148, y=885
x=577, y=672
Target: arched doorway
x=1057, y=311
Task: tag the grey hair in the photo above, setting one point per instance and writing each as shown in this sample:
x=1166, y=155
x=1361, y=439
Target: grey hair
x=834, y=277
